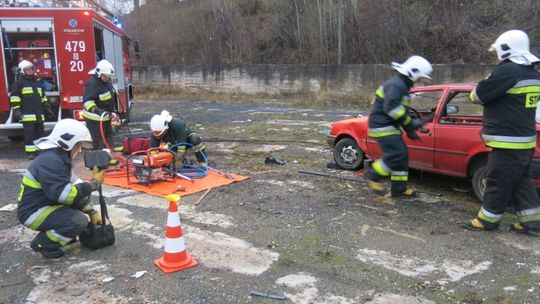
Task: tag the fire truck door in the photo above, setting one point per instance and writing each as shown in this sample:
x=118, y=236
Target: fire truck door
x=113, y=53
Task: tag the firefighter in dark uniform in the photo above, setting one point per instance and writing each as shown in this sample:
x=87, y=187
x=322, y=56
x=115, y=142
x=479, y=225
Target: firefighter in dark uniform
x=52, y=199
x=29, y=105
x=388, y=112
x=170, y=131
x=99, y=102
x=509, y=96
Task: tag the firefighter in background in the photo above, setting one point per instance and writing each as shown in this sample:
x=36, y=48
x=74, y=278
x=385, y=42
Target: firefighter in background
x=29, y=105
x=99, y=101
x=52, y=198
x=509, y=96
x=388, y=112
x=168, y=131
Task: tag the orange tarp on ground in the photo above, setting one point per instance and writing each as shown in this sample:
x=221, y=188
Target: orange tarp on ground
x=162, y=189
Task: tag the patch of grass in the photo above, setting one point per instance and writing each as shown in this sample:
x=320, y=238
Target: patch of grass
x=320, y=100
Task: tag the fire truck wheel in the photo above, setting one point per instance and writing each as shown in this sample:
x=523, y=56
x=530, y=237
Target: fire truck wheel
x=16, y=139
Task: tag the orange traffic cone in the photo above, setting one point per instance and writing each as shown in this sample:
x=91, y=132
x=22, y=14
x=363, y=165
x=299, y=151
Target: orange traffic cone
x=175, y=257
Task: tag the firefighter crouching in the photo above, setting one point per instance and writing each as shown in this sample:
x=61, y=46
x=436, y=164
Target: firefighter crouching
x=509, y=96
x=99, y=101
x=388, y=112
x=30, y=105
x=170, y=131
x=53, y=199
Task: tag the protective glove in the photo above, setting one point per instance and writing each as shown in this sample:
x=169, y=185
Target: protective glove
x=164, y=147
x=95, y=217
x=16, y=115
x=99, y=176
x=416, y=123
x=412, y=135
x=49, y=114
x=84, y=204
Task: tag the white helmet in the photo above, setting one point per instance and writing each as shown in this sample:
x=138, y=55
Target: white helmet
x=415, y=67
x=103, y=68
x=514, y=45
x=159, y=125
x=24, y=64
x=65, y=135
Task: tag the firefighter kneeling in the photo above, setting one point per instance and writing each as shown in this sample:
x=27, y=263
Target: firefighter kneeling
x=53, y=200
x=172, y=131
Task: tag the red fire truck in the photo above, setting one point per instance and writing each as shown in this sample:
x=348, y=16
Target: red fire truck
x=64, y=43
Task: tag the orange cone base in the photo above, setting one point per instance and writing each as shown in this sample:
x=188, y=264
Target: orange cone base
x=169, y=267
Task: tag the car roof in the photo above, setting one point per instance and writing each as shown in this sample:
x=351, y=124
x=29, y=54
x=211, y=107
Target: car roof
x=445, y=86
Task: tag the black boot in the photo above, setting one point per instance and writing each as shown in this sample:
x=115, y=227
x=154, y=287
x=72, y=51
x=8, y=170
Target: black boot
x=48, y=249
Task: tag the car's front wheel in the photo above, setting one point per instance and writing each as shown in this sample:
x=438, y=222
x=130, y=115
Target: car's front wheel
x=348, y=155
x=479, y=181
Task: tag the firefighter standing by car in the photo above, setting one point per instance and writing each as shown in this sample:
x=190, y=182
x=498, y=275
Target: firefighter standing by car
x=52, y=199
x=388, y=112
x=29, y=105
x=509, y=96
x=168, y=131
x=99, y=101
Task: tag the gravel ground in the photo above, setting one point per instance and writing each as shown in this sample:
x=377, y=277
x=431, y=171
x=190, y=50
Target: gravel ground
x=308, y=238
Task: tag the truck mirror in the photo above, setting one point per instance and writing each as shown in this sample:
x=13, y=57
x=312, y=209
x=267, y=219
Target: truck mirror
x=450, y=110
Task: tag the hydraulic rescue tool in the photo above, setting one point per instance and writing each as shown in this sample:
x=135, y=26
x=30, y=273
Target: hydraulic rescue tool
x=98, y=236
x=154, y=165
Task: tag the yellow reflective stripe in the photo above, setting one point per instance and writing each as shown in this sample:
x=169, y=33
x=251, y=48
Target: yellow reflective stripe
x=54, y=237
x=71, y=196
x=379, y=93
x=510, y=145
x=19, y=197
x=529, y=218
x=384, y=133
x=524, y=90
x=42, y=216
x=30, y=149
x=199, y=148
x=88, y=105
x=28, y=118
x=14, y=99
x=94, y=116
x=399, y=178
x=44, y=99
x=379, y=167
x=16, y=107
x=27, y=90
x=40, y=91
x=407, y=121
x=397, y=112
x=105, y=96
x=489, y=217
x=31, y=183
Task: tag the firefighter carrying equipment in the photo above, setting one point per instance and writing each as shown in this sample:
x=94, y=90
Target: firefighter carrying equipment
x=29, y=105
x=414, y=68
x=514, y=45
x=99, y=98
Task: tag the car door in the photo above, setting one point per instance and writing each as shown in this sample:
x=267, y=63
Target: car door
x=421, y=152
x=458, y=133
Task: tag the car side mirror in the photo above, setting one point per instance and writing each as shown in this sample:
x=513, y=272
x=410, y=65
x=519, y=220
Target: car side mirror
x=452, y=110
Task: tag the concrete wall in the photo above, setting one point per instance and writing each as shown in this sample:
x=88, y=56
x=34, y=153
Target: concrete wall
x=283, y=79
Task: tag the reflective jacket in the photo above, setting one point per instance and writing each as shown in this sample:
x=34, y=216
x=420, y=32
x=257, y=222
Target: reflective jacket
x=389, y=110
x=178, y=132
x=509, y=96
x=48, y=184
x=28, y=96
x=98, y=97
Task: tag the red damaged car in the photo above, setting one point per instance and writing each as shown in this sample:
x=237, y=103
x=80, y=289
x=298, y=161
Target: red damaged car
x=450, y=145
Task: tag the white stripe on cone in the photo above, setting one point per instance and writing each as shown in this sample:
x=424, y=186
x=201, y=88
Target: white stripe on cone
x=174, y=245
x=173, y=219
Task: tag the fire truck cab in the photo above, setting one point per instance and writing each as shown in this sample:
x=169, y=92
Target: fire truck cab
x=64, y=44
